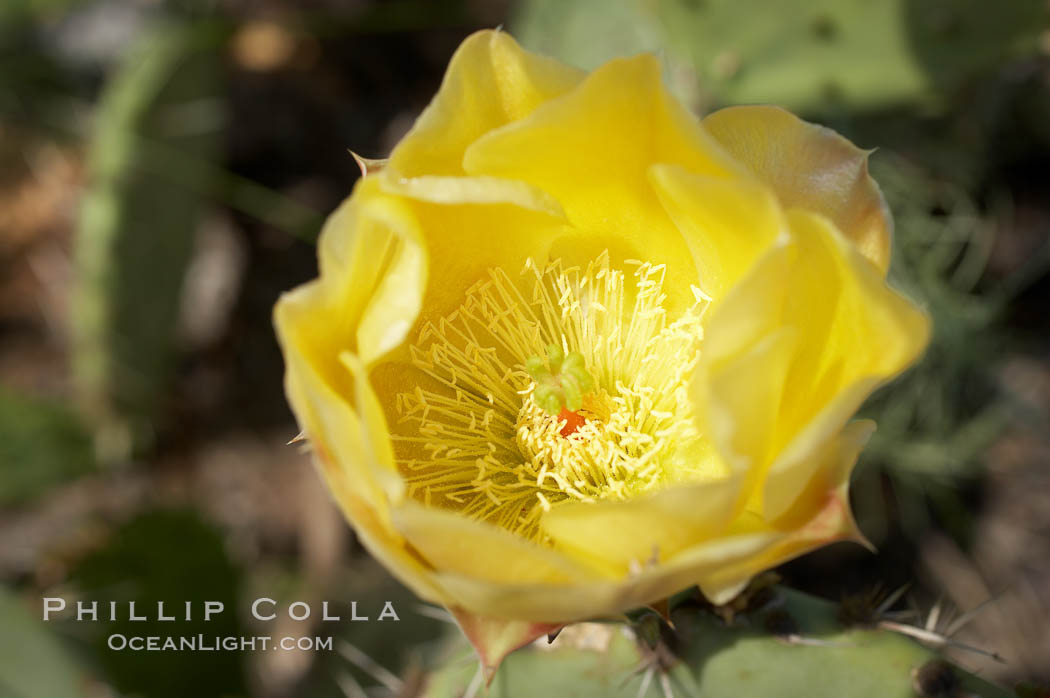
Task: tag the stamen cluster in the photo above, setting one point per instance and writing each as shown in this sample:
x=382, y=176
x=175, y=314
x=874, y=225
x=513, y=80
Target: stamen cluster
x=492, y=440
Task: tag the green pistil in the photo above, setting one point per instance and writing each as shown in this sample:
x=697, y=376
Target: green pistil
x=561, y=381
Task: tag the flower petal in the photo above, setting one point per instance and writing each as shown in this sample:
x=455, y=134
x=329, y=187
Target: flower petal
x=473, y=190
x=727, y=223
x=761, y=369
x=604, y=598
x=328, y=419
x=820, y=322
x=373, y=272
x=451, y=542
x=363, y=303
x=810, y=167
x=463, y=242
x=629, y=534
x=385, y=546
x=490, y=81
x=821, y=517
x=318, y=324
x=476, y=223
x=495, y=638
x=794, y=490
x=592, y=149
x=356, y=476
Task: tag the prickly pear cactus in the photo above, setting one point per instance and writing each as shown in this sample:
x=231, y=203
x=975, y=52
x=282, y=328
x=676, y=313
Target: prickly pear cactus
x=134, y=237
x=790, y=645
x=805, y=54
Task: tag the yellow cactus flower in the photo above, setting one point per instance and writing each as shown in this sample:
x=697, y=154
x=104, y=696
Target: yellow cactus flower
x=573, y=350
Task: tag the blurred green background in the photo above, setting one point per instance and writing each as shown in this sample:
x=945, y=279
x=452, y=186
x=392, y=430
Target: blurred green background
x=165, y=166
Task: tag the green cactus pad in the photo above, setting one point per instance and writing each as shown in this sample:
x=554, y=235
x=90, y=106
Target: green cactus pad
x=793, y=646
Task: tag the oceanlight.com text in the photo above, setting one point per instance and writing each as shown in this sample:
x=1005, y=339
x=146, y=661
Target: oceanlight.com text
x=214, y=643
